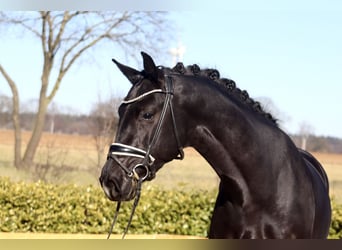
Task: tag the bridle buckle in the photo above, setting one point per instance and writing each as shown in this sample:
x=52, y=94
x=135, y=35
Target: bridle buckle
x=136, y=175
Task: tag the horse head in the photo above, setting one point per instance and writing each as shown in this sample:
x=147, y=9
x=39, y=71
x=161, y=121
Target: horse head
x=145, y=116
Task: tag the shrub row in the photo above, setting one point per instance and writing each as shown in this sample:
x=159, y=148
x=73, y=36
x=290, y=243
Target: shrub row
x=41, y=207
x=335, y=231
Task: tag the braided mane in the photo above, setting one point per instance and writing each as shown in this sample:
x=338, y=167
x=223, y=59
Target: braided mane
x=228, y=84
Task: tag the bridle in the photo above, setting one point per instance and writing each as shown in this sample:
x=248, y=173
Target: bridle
x=119, y=149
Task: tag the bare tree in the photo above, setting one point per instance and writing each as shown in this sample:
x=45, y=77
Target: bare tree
x=64, y=38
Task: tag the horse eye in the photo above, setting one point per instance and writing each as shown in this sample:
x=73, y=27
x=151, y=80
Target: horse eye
x=147, y=116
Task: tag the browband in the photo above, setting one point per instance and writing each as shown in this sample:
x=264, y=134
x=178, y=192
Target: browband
x=142, y=96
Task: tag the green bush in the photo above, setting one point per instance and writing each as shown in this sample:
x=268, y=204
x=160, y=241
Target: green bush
x=41, y=207
x=335, y=231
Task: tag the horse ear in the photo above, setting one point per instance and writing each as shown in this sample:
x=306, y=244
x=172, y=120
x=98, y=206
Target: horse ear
x=132, y=75
x=149, y=66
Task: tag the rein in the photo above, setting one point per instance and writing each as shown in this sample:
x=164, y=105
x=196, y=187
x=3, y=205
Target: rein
x=119, y=149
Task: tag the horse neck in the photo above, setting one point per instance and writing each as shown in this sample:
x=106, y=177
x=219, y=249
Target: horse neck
x=216, y=122
x=227, y=135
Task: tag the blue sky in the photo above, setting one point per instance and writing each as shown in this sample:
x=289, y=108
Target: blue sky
x=292, y=56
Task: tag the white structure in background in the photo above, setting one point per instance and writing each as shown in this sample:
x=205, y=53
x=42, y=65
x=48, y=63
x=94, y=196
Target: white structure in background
x=305, y=130
x=177, y=53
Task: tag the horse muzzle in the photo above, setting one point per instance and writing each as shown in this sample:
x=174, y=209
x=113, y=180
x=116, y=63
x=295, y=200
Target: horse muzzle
x=116, y=185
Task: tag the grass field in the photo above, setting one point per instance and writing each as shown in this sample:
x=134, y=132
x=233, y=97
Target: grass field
x=79, y=154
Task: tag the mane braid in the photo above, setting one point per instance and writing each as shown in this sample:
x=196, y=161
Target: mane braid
x=228, y=84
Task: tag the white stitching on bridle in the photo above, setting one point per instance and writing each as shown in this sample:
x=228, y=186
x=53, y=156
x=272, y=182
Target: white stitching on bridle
x=142, y=96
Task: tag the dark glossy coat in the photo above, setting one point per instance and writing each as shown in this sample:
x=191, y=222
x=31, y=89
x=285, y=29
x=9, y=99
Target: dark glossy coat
x=268, y=187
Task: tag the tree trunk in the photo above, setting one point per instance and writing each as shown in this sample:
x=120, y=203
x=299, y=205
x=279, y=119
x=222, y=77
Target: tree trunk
x=17, y=131
x=36, y=134
x=41, y=114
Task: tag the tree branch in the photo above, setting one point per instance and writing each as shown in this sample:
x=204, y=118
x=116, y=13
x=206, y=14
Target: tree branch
x=43, y=34
x=66, y=18
x=50, y=36
x=26, y=23
x=15, y=117
x=63, y=69
x=9, y=80
x=65, y=64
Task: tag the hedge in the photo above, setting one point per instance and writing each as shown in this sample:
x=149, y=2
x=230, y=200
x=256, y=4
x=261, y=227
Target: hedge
x=41, y=207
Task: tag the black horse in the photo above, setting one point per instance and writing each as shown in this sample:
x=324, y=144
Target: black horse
x=268, y=187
